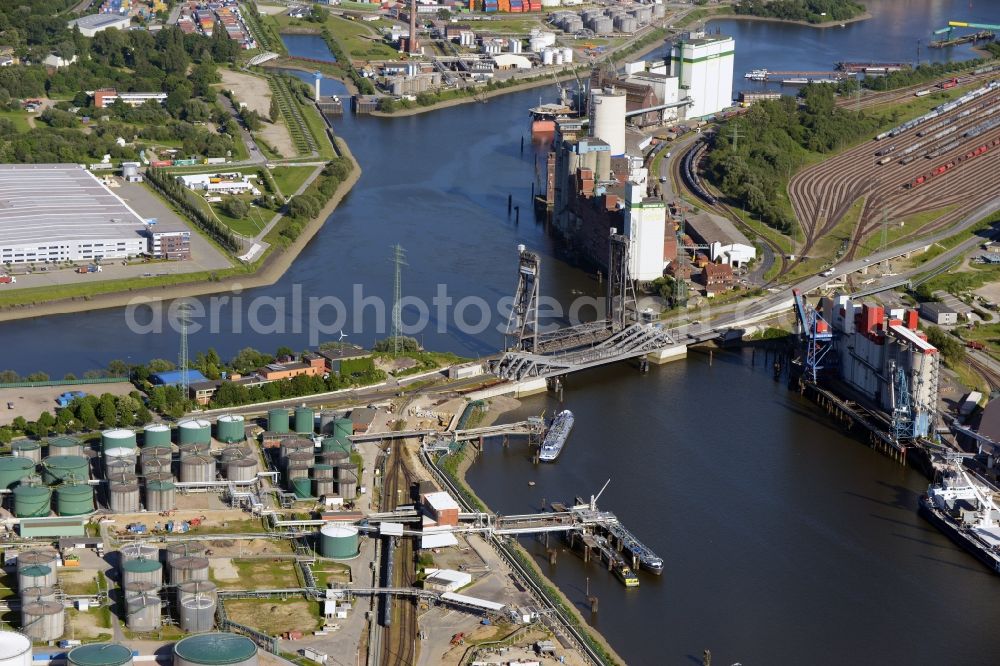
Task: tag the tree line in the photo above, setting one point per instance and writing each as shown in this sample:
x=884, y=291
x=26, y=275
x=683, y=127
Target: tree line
x=811, y=11
x=168, y=185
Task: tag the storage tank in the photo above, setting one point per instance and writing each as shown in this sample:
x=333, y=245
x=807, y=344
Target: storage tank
x=602, y=26
x=295, y=471
x=567, y=55
x=302, y=487
x=123, y=454
x=547, y=57
x=324, y=471
x=609, y=119
x=13, y=469
x=308, y=458
x=74, y=499
x=56, y=469
x=659, y=11
x=43, y=621
x=100, y=654
x=333, y=457
x=156, y=435
x=324, y=487
x=326, y=421
x=142, y=570
x=27, y=449
x=154, y=466
x=294, y=445
x=198, y=469
x=36, y=575
x=144, y=612
x=347, y=489
x=215, y=649
x=347, y=472
x=64, y=445
x=305, y=419
x=118, y=438
x=36, y=594
x=194, y=449
x=137, y=587
x=37, y=556
x=557, y=57
x=197, y=614
x=338, y=443
x=241, y=469
x=160, y=496
x=626, y=24
x=229, y=428
x=277, y=420
x=574, y=24
x=194, y=431
x=32, y=500
x=196, y=588
x=185, y=549
x=137, y=551
x=123, y=497
x=343, y=428
x=188, y=568
x=15, y=649
x=338, y=541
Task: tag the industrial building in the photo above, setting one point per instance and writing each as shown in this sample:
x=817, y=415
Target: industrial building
x=221, y=183
x=645, y=227
x=95, y=23
x=704, y=66
x=62, y=212
x=105, y=97
x=172, y=244
x=725, y=244
x=938, y=313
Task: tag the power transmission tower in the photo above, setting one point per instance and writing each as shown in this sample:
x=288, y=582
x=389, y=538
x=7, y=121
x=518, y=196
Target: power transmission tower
x=182, y=357
x=398, y=260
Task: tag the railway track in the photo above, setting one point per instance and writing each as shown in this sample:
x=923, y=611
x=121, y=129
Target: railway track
x=875, y=98
x=991, y=376
x=399, y=616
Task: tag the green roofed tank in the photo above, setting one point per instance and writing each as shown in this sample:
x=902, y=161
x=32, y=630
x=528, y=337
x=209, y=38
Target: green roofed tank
x=338, y=541
x=32, y=501
x=194, y=431
x=343, y=427
x=215, y=649
x=56, y=469
x=304, y=419
x=338, y=444
x=302, y=486
x=100, y=654
x=156, y=434
x=27, y=448
x=74, y=499
x=118, y=438
x=64, y=445
x=277, y=420
x=229, y=428
x=13, y=469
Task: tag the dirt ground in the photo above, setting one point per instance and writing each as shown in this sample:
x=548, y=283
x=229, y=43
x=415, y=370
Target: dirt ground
x=274, y=617
x=269, y=10
x=255, y=93
x=85, y=625
x=30, y=402
x=77, y=581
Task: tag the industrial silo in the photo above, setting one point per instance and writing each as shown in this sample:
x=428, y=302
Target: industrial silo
x=338, y=541
x=194, y=431
x=74, y=499
x=37, y=556
x=215, y=649
x=56, y=469
x=185, y=549
x=160, y=496
x=142, y=570
x=343, y=428
x=13, y=469
x=197, y=469
x=64, y=445
x=305, y=420
x=197, y=613
x=196, y=588
x=609, y=119
x=229, y=428
x=143, y=612
x=15, y=649
x=32, y=500
x=27, y=448
x=118, y=438
x=277, y=420
x=123, y=497
x=156, y=435
x=43, y=621
x=302, y=487
x=241, y=469
x=100, y=654
x=36, y=575
x=137, y=551
x=188, y=568
x=29, y=594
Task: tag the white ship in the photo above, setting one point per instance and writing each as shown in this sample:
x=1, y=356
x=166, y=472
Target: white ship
x=555, y=439
x=756, y=75
x=962, y=507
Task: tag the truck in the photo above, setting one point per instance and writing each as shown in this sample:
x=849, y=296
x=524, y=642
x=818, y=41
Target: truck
x=7, y=279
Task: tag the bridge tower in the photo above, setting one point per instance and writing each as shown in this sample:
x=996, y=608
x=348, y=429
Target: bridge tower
x=522, y=325
x=621, y=302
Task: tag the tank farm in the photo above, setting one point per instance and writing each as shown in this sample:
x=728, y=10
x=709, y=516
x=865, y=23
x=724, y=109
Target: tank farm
x=904, y=176
x=127, y=475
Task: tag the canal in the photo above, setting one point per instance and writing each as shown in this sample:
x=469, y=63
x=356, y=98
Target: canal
x=784, y=541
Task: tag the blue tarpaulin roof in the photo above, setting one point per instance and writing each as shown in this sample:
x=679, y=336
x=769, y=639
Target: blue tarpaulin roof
x=173, y=377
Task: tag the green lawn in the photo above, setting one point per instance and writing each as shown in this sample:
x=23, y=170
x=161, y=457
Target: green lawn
x=317, y=126
x=361, y=40
x=250, y=225
x=19, y=118
x=264, y=573
x=289, y=178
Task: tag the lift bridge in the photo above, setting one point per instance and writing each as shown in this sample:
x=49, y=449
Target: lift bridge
x=532, y=353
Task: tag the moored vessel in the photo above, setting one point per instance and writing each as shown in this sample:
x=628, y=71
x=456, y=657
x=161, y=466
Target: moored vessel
x=555, y=439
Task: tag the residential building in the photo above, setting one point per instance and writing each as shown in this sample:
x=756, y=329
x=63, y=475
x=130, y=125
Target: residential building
x=717, y=278
x=704, y=66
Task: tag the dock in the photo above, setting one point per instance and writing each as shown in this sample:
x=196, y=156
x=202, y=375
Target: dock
x=330, y=106
x=872, y=67
x=981, y=36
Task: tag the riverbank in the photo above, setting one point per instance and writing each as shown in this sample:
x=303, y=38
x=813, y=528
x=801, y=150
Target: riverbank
x=269, y=272
x=497, y=408
x=770, y=19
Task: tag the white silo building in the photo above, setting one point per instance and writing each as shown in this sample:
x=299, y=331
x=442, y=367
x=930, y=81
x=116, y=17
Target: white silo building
x=608, y=118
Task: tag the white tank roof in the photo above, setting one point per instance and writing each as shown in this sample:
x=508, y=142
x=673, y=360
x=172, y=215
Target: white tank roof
x=13, y=644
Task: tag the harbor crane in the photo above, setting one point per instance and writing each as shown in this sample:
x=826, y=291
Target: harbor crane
x=964, y=24
x=817, y=334
x=902, y=408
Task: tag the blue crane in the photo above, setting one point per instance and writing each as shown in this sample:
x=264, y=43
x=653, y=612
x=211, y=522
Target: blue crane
x=817, y=334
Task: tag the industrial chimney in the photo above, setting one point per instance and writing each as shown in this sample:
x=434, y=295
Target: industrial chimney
x=413, y=45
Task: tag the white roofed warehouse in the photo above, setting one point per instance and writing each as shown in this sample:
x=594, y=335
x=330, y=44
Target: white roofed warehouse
x=61, y=212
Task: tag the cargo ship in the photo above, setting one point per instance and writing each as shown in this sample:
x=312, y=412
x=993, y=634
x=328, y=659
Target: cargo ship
x=544, y=116
x=756, y=75
x=964, y=511
x=555, y=439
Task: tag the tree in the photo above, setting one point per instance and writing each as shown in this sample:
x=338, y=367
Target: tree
x=20, y=423
x=45, y=423
x=87, y=416
x=275, y=111
x=236, y=207
x=6, y=435
x=285, y=351
x=106, y=411
x=118, y=368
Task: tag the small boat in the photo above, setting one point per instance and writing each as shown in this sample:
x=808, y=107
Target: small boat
x=531, y=483
x=626, y=575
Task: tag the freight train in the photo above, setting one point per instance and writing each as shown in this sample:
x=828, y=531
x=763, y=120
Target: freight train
x=691, y=178
x=948, y=166
x=940, y=110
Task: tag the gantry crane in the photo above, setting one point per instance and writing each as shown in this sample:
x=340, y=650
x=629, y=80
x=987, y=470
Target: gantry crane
x=817, y=334
x=965, y=24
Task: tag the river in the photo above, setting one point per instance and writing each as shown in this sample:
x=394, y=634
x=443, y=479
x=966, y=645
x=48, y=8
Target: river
x=784, y=541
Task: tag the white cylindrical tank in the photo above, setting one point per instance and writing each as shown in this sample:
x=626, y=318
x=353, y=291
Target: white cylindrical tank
x=609, y=118
x=15, y=649
x=536, y=44
x=547, y=57
x=557, y=57
x=567, y=55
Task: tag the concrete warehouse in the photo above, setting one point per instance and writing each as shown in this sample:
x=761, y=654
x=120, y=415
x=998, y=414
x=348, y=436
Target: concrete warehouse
x=61, y=212
x=95, y=23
